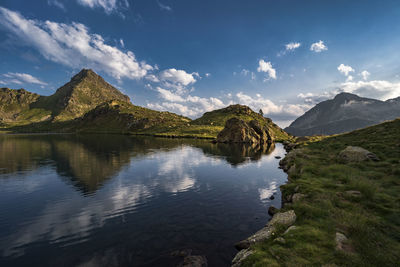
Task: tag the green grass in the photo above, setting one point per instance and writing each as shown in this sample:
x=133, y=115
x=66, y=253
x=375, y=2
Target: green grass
x=371, y=221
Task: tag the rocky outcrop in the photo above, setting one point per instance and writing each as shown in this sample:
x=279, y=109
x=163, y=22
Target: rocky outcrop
x=239, y=131
x=285, y=219
x=356, y=154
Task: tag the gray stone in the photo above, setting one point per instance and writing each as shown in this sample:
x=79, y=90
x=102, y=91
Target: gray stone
x=356, y=154
x=285, y=219
x=241, y=256
x=340, y=240
x=296, y=197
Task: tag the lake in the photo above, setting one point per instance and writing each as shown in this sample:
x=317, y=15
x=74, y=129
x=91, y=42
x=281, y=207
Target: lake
x=115, y=200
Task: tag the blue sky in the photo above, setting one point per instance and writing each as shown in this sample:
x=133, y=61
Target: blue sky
x=191, y=56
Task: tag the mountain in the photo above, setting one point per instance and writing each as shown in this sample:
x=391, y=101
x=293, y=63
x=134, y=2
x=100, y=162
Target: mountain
x=220, y=116
x=88, y=103
x=345, y=113
x=84, y=92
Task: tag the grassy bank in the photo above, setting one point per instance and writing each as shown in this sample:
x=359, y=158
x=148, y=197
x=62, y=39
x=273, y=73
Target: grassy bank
x=370, y=220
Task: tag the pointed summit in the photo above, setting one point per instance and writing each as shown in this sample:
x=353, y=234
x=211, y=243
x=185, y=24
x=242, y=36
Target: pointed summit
x=83, y=92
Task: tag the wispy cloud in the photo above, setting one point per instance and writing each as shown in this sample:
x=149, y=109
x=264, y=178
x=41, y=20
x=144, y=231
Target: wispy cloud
x=20, y=78
x=164, y=7
x=109, y=6
x=318, y=47
x=56, y=3
x=74, y=46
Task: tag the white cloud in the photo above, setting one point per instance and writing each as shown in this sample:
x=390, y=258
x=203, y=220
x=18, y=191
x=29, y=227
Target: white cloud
x=349, y=78
x=56, y=3
x=188, y=105
x=382, y=90
x=72, y=45
x=21, y=78
x=244, y=72
x=271, y=109
x=312, y=98
x=109, y=6
x=207, y=75
x=164, y=7
x=121, y=41
x=264, y=66
x=365, y=74
x=344, y=69
x=179, y=77
x=292, y=46
x=318, y=47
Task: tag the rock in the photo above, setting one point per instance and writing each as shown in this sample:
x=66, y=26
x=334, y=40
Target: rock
x=285, y=219
x=291, y=228
x=277, y=157
x=194, y=261
x=296, y=197
x=240, y=256
x=239, y=131
x=272, y=210
x=340, y=240
x=356, y=154
x=272, y=197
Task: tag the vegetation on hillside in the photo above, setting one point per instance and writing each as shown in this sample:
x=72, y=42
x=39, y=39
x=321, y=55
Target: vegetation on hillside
x=360, y=200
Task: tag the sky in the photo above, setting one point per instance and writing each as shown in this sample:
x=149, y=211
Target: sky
x=191, y=56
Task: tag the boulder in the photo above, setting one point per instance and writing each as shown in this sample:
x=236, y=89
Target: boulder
x=239, y=131
x=296, y=197
x=241, y=256
x=285, y=219
x=356, y=154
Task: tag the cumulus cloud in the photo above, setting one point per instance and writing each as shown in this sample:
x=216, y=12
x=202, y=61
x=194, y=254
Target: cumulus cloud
x=74, y=46
x=187, y=105
x=318, y=47
x=345, y=69
x=315, y=98
x=365, y=74
x=21, y=78
x=109, y=6
x=382, y=90
x=292, y=46
x=177, y=77
x=266, y=67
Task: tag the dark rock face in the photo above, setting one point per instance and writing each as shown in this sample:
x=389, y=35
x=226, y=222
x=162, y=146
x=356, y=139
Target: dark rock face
x=345, y=113
x=239, y=131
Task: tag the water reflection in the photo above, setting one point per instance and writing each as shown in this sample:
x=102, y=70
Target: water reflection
x=120, y=200
x=89, y=160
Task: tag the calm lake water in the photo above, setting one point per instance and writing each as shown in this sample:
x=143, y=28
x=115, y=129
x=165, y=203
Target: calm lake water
x=112, y=200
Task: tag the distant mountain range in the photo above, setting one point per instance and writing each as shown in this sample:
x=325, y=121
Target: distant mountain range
x=88, y=103
x=345, y=113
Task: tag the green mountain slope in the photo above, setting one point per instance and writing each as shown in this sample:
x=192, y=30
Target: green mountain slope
x=84, y=92
x=219, y=117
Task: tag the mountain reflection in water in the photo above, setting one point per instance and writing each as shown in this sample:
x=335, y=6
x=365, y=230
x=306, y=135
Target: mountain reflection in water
x=117, y=200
